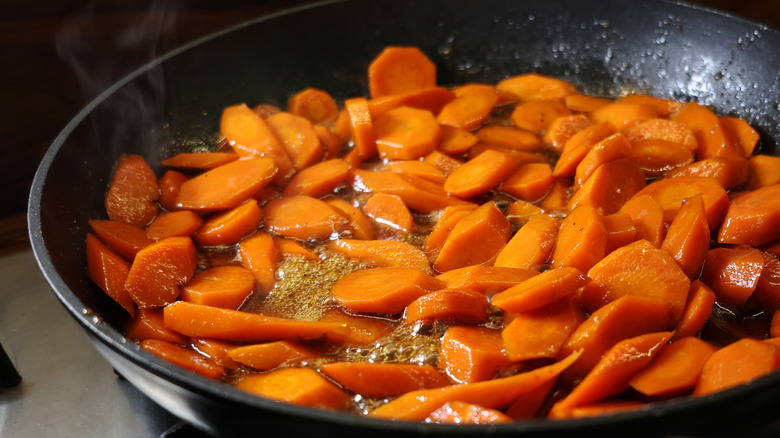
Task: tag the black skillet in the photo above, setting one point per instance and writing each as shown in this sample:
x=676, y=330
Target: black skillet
x=606, y=47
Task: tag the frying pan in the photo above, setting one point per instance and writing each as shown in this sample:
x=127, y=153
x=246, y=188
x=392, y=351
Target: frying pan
x=606, y=47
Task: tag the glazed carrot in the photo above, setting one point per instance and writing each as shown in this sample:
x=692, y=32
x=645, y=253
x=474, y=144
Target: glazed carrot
x=290, y=247
x=675, y=370
x=431, y=99
x=662, y=129
x=359, y=226
x=737, y=363
x=456, y=140
x=303, y=218
x=752, y=219
x=456, y=412
x=319, y=179
x=381, y=253
x=520, y=212
x=707, y=128
x=581, y=239
x=475, y=239
x=177, y=223
x=768, y=287
x=313, y=104
x=527, y=406
x=380, y=380
x=540, y=290
x=299, y=386
x=361, y=127
x=360, y=329
x=228, y=227
x=582, y=103
x=540, y=333
x=530, y=182
x=418, y=194
x=521, y=156
x=132, y=192
x=624, y=114
x=620, y=231
x=532, y=86
x=170, y=186
x=740, y=134
x=398, y=70
x=159, y=270
x=271, y=355
x=258, y=254
x=266, y=110
x=200, y=160
x=201, y=321
x=487, y=280
x=480, y=174
x=220, y=286
x=536, y=115
x=216, y=351
x=557, y=197
x=656, y=157
x=670, y=194
x=267, y=194
x=774, y=328
x=471, y=354
x=531, y=245
x=109, y=271
x=763, y=170
x=729, y=172
x=665, y=107
x=226, y=186
x=390, y=210
x=609, y=149
x=688, y=237
x=298, y=137
x=578, y=145
x=457, y=305
x=123, y=238
x=148, y=324
x=562, y=129
x=492, y=394
x=607, y=406
x=417, y=168
x=472, y=105
x=331, y=143
x=183, y=357
x=406, y=133
x=442, y=161
x=648, y=218
x=509, y=137
x=250, y=136
x=384, y=290
x=733, y=273
x=637, y=268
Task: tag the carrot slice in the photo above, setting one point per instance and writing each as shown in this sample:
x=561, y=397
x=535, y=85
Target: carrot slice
x=332, y=145
x=229, y=227
x=475, y=239
x=733, y=273
x=607, y=406
x=675, y=370
x=609, y=186
x=582, y=239
x=608, y=149
x=648, y=218
x=319, y=179
x=299, y=386
x=532, y=86
x=214, y=350
x=109, y=271
x=471, y=354
x=656, y=157
x=442, y=161
x=270, y=355
x=289, y=247
x=472, y=105
x=457, y=305
x=360, y=329
x=456, y=140
x=540, y=333
x=456, y=412
x=509, y=137
x=417, y=193
x=670, y=194
x=530, y=182
x=480, y=174
x=303, y=218
x=123, y=238
x=298, y=137
x=170, y=186
x=577, y=147
x=199, y=160
x=220, y=286
x=132, y=192
x=585, y=104
x=665, y=107
x=487, y=280
x=562, y=129
x=527, y=406
x=768, y=287
x=398, y=70
x=382, y=253
x=688, y=237
x=763, y=170
x=226, y=186
x=698, y=309
x=385, y=290
x=314, y=104
x=183, y=357
x=148, y=324
x=737, y=363
x=711, y=139
x=159, y=270
x=520, y=212
x=740, y=133
x=177, y=223
x=258, y=254
x=359, y=226
x=379, y=380
x=620, y=231
x=416, y=168
x=752, y=219
x=540, y=290
x=390, y=210
x=729, y=172
x=531, y=245
x=536, y=115
x=361, y=127
x=431, y=99
x=406, y=133
x=557, y=197
x=665, y=130
x=624, y=114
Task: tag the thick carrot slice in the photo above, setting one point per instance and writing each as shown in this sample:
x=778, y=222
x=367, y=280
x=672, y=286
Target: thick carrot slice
x=485, y=279
x=562, y=129
x=159, y=270
x=183, y=357
x=266, y=110
x=740, y=134
x=109, y=271
x=417, y=168
x=536, y=115
x=531, y=245
x=471, y=354
x=670, y=194
x=220, y=286
x=315, y=105
x=197, y=320
x=540, y=290
x=398, y=70
x=729, y=172
x=359, y=226
x=270, y=355
x=226, y=186
x=148, y=324
x=331, y=143
x=540, y=333
x=530, y=182
x=532, y=86
x=170, y=186
x=298, y=137
x=492, y=394
x=390, y=210
x=417, y=193
x=620, y=231
x=319, y=179
x=215, y=350
x=431, y=99
x=557, y=197
x=258, y=254
x=472, y=105
x=442, y=161
x=585, y=104
x=752, y=219
x=521, y=156
x=480, y=174
x=299, y=386
x=457, y=305
x=582, y=239
x=475, y=239
x=520, y=212
x=177, y=223
x=229, y=227
x=406, y=133
x=382, y=253
x=675, y=370
x=688, y=237
x=384, y=290
x=360, y=329
x=656, y=157
x=665, y=107
x=132, y=192
x=764, y=170
x=737, y=363
x=509, y=137
x=123, y=238
x=578, y=145
x=768, y=287
x=663, y=129
x=711, y=139
x=638, y=268
x=609, y=149
x=698, y=309
x=607, y=406
x=733, y=273
x=379, y=380
x=648, y=218
x=303, y=218
x=527, y=406
x=624, y=114
x=456, y=412
x=289, y=248
x=361, y=127
x=199, y=161
x=456, y=140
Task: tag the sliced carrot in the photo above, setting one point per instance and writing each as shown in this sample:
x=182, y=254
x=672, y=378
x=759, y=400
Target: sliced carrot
x=531, y=245
x=406, y=133
x=530, y=182
x=521, y=156
x=648, y=218
x=379, y=380
x=381, y=253
x=270, y=355
x=764, y=170
x=665, y=107
x=733, y=273
x=359, y=226
x=478, y=175
x=608, y=406
x=532, y=86
x=185, y=358
x=707, y=128
x=267, y=194
x=456, y=305
x=258, y=254
x=303, y=218
x=488, y=280
x=664, y=130
x=266, y=110
x=582, y=103
x=360, y=329
x=737, y=363
x=675, y=370
x=475, y=239
x=290, y=247
x=540, y=290
x=170, y=186
x=226, y=186
x=557, y=197
x=197, y=320
x=540, y=333
x=536, y=115
x=509, y=137
x=319, y=179
x=431, y=99
x=398, y=70
x=752, y=219
x=456, y=412
x=216, y=351
x=624, y=114
x=698, y=309
x=361, y=127
x=729, y=172
x=578, y=145
x=562, y=129
x=656, y=157
x=148, y=324
x=109, y=271
x=688, y=237
x=299, y=386
x=390, y=210
x=528, y=406
x=132, y=192
x=220, y=286
x=228, y=227
x=472, y=105
x=637, y=268
x=620, y=231
x=740, y=133
x=417, y=168
x=298, y=137
x=442, y=161
x=471, y=354
x=314, y=104
x=520, y=212
x=159, y=270
x=342, y=127
x=200, y=160
x=332, y=145
x=582, y=239
x=383, y=290
x=768, y=287
x=123, y=238
x=670, y=194
x=456, y=140
x=177, y=223
x=611, y=148
x=418, y=194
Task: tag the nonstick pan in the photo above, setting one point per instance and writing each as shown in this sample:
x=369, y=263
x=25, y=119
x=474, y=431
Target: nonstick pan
x=606, y=47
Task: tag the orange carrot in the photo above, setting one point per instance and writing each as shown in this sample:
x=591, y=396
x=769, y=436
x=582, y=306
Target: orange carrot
x=382, y=253
x=531, y=245
x=298, y=137
x=319, y=179
x=729, y=172
x=418, y=194
x=740, y=134
x=431, y=99
x=215, y=350
x=380, y=380
x=226, y=186
x=229, y=227
x=442, y=161
x=540, y=290
x=655, y=157
x=359, y=226
x=471, y=354
x=457, y=305
x=578, y=145
x=266, y=110
x=398, y=70
x=384, y=290
x=609, y=186
x=456, y=140
x=557, y=197
x=361, y=127
x=221, y=286
x=303, y=218
x=148, y=324
x=532, y=86
x=752, y=219
x=123, y=238
x=707, y=128
x=487, y=280
x=200, y=160
x=270, y=355
x=183, y=357
x=475, y=239
x=299, y=386
x=527, y=406
x=480, y=174
x=289, y=247
x=530, y=182
x=665, y=130
x=540, y=333
x=536, y=115
x=620, y=231
x=360, y=329
x=315, y=105
x=648, y=218
x=159, y=270
x=390, y=210
x=509, y=137
x=581, y=239
x=675, y=370
x=177, y=223
x=774, y=328
x=698, y=309
x=733, y=273
x=258, y=254
x=406, y=133
x=624, y=114
x=608, y=406
x=768, y=287
x=132, y=192
x=331, y=143
x=417, y=168
x=520, y=156
x=763, y=170
x=582, y=103
x=456, y=412
x=562, y=129
x=472, y=105
x=737, y=363
x=688, y=237
x=665, y=107
x=611, y=148
x=109, y=271
x=670, y=194
x=520, y=212
x=267, y=194
x=170, y=186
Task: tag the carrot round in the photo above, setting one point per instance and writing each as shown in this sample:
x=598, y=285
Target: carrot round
x=199, y=160
x=752, y=219
x=530, y=182
x=431, y=99
x=159, y=270
x=361, y=127
x=298, y=137
x=688, y=237
x=303, y=218
x=379, y=380
x=698, y=309
x=384, y=290
x=536, y=115
x=417, y=168
x=475, y=239
x=540, y=333
x=609, y=186
x=711, y=139
x=398, y=70
x=487, y=280
x=764, y=170
x=177, y=223
x=258, y=254
x=609, y=149
x=319, y=179
x=406, y=133
x=531, y=245
x=664, y=130
x=472, y=105
x=220, y=286
x=670, y=193
x=563, y=128
x=733, y=273
x=532, y=86
x=480, y=174
x=540, y=290
x=123, y=238
x=382, y=253
x=471, y=354
x=359, y=226
x=648, y=218
x=390, y=210
x=314, y=104
x=270, y=355
x=226, y=186
x=620, y=231
x=183, y=357
x=132, y=192
x=458, y=305
x=623, y=114
x=229, y=227
x=300, y=386
x=737, y=363
x=581, y=239
x=509, y=137
x=675, y=370
x=456, y=140
x=109, y=271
